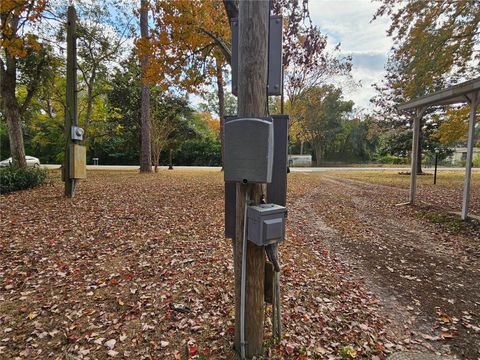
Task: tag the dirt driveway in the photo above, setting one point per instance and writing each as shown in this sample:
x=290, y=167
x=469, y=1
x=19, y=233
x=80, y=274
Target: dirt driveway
x=426, y=274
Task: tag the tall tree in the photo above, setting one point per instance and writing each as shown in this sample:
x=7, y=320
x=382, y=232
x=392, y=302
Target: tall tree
x=44, y=120
x=103, y=30
x=170, y=121
x=433, y=40
x=145, y=153
x=320, y=111
x=192, y=45
x=19, y=44
x=192, y=38
x=434, y=45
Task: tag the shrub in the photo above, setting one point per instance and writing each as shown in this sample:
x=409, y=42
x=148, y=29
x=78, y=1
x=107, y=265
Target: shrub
x=476, y=160
x=390, y=159
x=13, y=178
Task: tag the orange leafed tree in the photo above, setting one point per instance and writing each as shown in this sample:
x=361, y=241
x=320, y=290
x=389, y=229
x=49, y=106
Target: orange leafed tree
x=188, y=40
x=189, y=47
x=17, y=42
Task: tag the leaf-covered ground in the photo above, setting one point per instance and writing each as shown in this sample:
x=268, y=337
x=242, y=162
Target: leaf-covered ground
x=136, y=266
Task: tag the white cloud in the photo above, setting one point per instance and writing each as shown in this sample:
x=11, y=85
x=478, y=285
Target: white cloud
x=349, y=22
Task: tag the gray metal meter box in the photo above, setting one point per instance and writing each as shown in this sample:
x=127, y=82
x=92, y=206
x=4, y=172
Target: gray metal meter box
x=266, y=224
x=248, y=152
x=77, y=133
x=275, y=56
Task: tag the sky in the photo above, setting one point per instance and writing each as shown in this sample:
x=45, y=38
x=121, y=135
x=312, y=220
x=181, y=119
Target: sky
x=348, y=22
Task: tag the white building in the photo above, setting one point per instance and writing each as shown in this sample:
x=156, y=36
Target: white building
x=459, y=155
x=299, y=160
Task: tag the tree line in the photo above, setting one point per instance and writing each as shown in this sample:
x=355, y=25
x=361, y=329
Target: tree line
x=138, y=62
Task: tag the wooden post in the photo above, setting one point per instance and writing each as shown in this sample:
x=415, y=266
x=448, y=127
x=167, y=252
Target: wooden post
x=474, y=101
x=252, y=102
x=415, y=143
x=71, y=115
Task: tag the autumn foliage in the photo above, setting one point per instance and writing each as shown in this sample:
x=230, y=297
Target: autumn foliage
x=184, y=42
x=14, y=15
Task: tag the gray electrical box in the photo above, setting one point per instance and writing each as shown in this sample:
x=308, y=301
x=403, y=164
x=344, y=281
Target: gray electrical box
x=275, y=56
x=266, y=224
x=277, y=189
x=248, y=152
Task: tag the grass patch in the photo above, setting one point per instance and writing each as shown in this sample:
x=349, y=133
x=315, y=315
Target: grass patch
x=451, y=222
x=393, y=178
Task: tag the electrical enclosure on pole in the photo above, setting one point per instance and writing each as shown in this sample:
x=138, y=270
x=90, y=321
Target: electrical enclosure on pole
x=71, y=115
x=252, y=102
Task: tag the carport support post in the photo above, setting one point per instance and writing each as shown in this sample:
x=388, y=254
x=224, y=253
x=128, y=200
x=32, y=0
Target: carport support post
x=253, y=23
x=71, y=113
x=415, y=144
x=474, y=101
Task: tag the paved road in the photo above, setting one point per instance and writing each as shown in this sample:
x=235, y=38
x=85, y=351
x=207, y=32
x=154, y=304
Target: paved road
x=295, y=169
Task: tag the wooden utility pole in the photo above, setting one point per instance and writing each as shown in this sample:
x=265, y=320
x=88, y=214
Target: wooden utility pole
x=146, y=150
x=71, y=116
x=252, y=102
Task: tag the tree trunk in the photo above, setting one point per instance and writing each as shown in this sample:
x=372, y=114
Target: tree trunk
x=156, y=157
x=301, y=147
x=318, y=154
x=11, y=110
x=15, y=134
x=170, y=160
x=145, y=151
x=252, y=102
x=221, y=107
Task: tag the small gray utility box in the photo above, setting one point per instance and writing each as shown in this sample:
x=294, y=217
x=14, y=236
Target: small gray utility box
x=266, y=224
x=248, y=155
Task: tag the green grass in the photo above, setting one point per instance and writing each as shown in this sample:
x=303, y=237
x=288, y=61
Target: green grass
x=451, y=222
x=393, y=178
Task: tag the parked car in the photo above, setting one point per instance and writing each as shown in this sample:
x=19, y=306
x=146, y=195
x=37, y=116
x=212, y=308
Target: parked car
x=31, y=161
